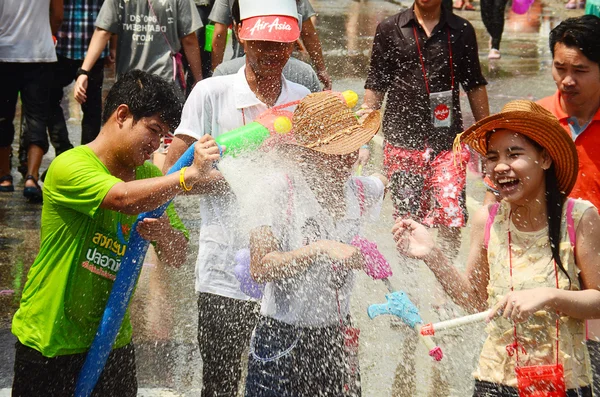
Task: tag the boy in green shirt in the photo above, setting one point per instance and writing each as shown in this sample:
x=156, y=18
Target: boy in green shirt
x=92, y=195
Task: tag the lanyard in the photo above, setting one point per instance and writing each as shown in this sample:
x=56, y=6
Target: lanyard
x=423, y=62
x=514, y=347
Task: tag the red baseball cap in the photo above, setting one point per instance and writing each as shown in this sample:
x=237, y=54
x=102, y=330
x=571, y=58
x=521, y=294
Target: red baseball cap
x=269, y=20
x=281, y=28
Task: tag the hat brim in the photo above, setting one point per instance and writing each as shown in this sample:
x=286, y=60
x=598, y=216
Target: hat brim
x=352, y=138
x=546, y=133
x=279, y=28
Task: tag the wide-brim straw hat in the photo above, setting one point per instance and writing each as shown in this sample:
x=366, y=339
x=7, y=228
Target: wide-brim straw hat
x=322, y=122
x=538, y=124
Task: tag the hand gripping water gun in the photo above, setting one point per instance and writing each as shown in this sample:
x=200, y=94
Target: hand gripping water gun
x=375, y=265
x=273, y=122
x=378, y=268
x=120, y=295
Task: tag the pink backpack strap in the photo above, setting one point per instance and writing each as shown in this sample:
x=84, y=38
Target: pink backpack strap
x=361, y=195
x=571, y=223
x=489, y=223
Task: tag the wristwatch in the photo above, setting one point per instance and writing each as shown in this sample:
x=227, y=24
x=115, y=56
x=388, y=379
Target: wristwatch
x=81, y=71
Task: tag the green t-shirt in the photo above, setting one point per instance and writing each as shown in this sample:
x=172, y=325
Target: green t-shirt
x=81, y=250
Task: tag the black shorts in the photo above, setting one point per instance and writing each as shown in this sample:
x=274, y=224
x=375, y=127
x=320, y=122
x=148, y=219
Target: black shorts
x=36, y=375
x=594, y=349
x=488, y=389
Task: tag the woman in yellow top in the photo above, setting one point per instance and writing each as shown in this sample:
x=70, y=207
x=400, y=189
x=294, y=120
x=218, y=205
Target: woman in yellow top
x=533, y=258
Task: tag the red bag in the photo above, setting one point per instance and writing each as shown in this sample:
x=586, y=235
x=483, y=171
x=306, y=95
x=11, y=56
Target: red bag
x=541, y=381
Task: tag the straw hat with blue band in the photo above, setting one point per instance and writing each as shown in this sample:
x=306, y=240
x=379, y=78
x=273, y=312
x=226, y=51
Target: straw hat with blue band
x=533, y=121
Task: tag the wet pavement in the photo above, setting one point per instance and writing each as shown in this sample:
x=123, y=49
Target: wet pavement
x=164, y=307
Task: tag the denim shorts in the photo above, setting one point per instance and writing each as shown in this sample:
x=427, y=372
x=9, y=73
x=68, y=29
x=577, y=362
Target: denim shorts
x=287, y=360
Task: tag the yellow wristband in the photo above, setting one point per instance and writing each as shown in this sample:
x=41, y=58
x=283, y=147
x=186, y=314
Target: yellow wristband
x=182, y=180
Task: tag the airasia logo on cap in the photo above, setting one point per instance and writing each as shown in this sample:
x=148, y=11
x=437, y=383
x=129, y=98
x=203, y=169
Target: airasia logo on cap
x=441, y=112
x=260, y=25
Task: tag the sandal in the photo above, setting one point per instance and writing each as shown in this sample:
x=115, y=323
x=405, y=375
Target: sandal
x=469, y=7
x=33, y=193
x=7, y=188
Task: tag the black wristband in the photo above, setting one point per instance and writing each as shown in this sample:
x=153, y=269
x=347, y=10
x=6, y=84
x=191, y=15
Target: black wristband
x=80, y=72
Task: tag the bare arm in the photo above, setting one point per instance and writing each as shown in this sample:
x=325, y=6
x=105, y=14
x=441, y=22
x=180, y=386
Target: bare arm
x=219, y=42
x=267, y=263
x=313, y=46
x=478, y=100
x=171, y=244
x=97, y=45
x=213, y=181
x=147, y=194
x=373, y=99
x=192, y=54
x=56, y=15
x=468, y=290
x=112, y=49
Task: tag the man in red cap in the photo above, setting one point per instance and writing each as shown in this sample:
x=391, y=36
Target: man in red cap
x=267, y=30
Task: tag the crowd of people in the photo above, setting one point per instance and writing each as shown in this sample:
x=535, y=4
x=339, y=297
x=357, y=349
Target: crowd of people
x=533, y=243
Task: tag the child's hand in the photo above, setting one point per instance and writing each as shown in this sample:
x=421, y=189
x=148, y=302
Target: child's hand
x=412, y=239
x=344, y=255
x=381, y=177
x=518, y=306
x=153, y=229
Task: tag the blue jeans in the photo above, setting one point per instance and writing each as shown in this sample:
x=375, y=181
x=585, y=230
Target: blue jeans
x=290, y=361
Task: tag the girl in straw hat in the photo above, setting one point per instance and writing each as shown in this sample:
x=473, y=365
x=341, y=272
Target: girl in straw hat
x=533, y=258
x=300, y=247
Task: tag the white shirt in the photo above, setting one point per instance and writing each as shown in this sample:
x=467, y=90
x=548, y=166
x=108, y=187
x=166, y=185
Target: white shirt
x=215, y=106
x=25, y=35
x=296, y=218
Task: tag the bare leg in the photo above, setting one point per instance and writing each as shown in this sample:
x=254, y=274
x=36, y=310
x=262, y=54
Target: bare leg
x=34, y=160
x=405, y=377
x=5, y=163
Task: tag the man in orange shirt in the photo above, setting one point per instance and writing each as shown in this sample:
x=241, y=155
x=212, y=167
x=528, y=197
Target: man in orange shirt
x=575, y=46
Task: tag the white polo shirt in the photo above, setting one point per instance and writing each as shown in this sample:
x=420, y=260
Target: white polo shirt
x=215, y=106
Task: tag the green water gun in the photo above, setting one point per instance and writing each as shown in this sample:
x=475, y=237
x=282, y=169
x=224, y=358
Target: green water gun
x=275, y=121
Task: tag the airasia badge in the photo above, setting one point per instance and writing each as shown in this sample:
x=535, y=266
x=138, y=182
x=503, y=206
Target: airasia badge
x=441, y=112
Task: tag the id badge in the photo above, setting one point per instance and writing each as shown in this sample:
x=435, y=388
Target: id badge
x=441, y=108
